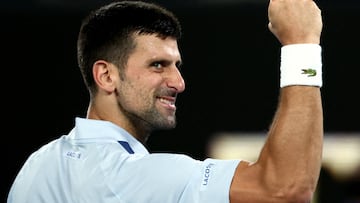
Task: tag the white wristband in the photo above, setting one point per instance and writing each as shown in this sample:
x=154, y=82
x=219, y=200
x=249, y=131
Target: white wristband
x=301, y=64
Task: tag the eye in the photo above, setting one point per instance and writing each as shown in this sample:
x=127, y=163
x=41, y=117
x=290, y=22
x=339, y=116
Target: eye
x=157, y=64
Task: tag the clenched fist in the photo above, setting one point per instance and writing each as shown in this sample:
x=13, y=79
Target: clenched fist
x=295, y=21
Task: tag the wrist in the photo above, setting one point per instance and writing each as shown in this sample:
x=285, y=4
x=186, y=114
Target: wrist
x=301, y=64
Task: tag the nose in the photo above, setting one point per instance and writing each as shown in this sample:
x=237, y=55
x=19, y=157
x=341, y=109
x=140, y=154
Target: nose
x=176, y=80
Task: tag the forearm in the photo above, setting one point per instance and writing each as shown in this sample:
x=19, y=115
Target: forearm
x=291, y=157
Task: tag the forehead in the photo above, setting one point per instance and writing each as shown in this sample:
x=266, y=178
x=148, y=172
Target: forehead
x=154, y=46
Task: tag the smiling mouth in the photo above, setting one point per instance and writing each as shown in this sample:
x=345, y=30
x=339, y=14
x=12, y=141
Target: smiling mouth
x=169, y=103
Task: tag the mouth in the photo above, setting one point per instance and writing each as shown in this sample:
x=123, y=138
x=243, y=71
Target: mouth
x=168, y=102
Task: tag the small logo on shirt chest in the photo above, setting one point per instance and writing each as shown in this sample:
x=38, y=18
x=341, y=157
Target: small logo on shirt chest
x=73, y=155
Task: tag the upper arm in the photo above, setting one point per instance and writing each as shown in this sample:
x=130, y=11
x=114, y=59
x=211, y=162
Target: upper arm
x=249, y=185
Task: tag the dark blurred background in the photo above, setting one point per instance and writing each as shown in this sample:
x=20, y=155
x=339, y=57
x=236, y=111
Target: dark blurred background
x=230, y=66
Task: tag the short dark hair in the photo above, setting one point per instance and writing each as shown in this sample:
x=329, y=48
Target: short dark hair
x=107, y=33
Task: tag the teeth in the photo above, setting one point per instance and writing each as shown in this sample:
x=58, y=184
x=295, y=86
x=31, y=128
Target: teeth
x=166, y=101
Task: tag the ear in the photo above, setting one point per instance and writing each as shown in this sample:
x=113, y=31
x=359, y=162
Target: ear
x=104, y=75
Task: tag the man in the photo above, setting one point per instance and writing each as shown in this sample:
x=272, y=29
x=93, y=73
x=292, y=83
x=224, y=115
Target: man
x=129, y=57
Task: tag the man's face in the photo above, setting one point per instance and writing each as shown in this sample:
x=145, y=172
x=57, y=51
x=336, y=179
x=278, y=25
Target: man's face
x=151, y=82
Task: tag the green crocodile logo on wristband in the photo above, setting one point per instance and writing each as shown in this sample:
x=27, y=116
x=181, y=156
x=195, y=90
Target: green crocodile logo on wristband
x=310, y=72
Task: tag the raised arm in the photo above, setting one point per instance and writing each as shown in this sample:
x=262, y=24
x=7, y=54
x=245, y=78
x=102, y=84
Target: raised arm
x=288, y=166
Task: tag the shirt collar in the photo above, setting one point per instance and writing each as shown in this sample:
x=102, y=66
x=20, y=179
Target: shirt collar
x=91, y=130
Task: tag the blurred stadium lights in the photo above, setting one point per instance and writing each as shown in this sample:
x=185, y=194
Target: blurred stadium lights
x=341, y=151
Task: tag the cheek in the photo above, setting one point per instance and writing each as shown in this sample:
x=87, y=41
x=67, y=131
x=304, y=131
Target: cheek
x=145, y=84
x=135, y=92
x=140, y=86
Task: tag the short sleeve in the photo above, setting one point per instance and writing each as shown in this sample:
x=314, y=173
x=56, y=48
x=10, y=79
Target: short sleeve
x=172, y=178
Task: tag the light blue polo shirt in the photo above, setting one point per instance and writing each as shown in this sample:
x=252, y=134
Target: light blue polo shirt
x=99, y=162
